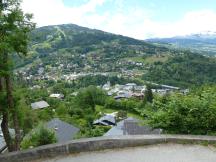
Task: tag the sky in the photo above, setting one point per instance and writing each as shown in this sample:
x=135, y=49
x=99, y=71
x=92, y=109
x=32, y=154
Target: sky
x=140, y=19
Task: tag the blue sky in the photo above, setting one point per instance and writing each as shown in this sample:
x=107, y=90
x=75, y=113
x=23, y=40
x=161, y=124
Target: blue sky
x=135, y=18
x=165, y=10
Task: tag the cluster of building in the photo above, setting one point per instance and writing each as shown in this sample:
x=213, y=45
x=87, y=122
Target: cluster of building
x=69, y=71
x=53, y=75
x=124, y=91
x=130, y=62
x=130, y=90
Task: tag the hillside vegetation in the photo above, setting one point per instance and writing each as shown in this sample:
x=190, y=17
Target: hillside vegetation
x=185, y=70
x=78, y=49
x=71, y=41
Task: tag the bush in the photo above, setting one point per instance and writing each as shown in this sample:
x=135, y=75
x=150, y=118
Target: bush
x=90, y=97
x=96, y=131
x=191, y=114
x=39, y=136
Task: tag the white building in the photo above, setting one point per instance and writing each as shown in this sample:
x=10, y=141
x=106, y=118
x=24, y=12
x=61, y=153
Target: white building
x=55, y=95
x=39, y=105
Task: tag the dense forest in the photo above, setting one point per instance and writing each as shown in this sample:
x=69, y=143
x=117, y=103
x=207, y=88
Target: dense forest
x=184, y=70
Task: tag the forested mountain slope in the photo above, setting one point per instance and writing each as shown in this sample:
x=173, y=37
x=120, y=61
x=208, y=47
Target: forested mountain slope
x=71, y=41
x=184, y=70
x=72, y=48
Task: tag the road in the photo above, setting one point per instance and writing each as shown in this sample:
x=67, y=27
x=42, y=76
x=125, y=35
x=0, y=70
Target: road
x=154, y=153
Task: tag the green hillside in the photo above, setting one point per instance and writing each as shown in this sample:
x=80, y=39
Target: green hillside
x=71, y=41
x=184, y=70
x=66, y=49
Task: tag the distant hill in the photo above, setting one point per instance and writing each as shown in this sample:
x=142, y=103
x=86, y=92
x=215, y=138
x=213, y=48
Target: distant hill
x=66, y=49
x=184, y=70
x=70, y=41
x=204, y=43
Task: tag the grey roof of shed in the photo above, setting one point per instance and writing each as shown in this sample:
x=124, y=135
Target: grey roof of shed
x=106, y=120
x=64, y=131
x=131, y=126
x=39, y=105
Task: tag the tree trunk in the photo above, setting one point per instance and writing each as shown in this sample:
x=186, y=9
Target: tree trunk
x=14, y=112
x=6, y=133
x=1, y=84
x=4, y=124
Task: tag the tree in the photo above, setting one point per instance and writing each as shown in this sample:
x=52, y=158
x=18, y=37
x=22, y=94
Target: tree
x=194, y=113
x=148, y=95
x=86, y=101
x=27, y=118
x=14, y=29
x=90, y=97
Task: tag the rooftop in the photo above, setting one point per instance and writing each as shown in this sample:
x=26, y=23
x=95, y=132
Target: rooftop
x=105, y=120
x=56, y=95
x=131, y=126
x=39, y=105
x=64, y=131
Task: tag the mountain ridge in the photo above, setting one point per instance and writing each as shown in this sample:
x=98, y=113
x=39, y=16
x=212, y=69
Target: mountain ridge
x=203, y=42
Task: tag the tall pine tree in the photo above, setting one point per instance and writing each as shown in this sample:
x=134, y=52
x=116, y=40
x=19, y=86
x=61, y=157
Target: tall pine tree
x=14, y=36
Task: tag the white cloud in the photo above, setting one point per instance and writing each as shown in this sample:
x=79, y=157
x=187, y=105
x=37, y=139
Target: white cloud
x=197, y=21
x=134, y=22
x=51, y=12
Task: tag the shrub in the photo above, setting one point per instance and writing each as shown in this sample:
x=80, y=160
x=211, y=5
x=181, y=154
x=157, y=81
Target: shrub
x=39, y=136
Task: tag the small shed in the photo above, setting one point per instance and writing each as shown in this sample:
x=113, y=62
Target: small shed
x=56, y=95
x=39, y=105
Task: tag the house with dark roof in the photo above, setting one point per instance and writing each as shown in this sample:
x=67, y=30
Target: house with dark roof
x=39, y=105
x=107, y=120
x=63, y=131
x=131, y=126
x=123, y=95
